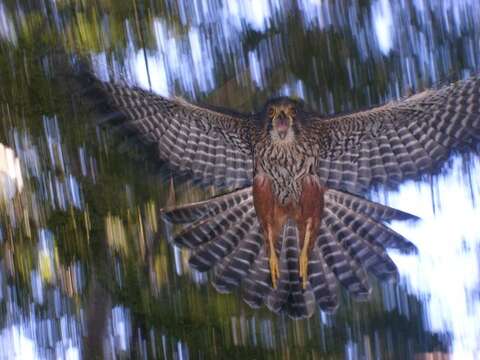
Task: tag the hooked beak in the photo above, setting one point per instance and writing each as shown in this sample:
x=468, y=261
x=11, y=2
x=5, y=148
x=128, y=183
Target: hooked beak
x=282, y=124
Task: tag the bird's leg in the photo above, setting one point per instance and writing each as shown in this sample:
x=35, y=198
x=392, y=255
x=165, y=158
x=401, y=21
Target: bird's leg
x=303, y=260
x=273, y=259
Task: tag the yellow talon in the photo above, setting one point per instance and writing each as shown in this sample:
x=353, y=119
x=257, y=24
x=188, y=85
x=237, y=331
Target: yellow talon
x=303, y=260
x=303, y=268
x=274, y=272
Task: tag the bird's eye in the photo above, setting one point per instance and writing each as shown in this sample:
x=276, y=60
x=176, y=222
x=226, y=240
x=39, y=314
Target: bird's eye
x=271, y=112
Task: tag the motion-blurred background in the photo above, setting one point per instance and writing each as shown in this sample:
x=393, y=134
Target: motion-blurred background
x=82, y=274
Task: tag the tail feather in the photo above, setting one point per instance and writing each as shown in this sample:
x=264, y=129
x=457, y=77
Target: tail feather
x=277, y=298
x=289, y=296
x=366, y=207
x=372, y=257
x=225, y=234
x=205, y=229
x=257, y=284
x=322, y=281
x=205, y=209
x=345, y=268
x=208, y=254
x=376, y=233
x=232, y=269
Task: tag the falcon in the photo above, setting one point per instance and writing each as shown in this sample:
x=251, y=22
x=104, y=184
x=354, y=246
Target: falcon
x=292, y=221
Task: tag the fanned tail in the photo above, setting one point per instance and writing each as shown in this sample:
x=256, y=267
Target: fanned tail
x=225, y=236
x=289, y=296
x=209, y=208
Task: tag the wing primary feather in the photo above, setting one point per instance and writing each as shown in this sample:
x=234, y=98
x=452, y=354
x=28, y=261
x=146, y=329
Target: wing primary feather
x=166, y=125
x=408, y=139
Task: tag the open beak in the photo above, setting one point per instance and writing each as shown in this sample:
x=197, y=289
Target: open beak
x=282, y=124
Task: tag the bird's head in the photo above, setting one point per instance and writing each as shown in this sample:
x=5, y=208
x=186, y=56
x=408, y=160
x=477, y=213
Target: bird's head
x=282, y=117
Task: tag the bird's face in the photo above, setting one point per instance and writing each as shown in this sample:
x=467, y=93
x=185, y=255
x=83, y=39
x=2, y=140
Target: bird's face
x=282, y=119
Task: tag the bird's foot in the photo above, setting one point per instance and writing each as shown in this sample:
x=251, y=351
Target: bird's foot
x=303, y=262
x=274, y=271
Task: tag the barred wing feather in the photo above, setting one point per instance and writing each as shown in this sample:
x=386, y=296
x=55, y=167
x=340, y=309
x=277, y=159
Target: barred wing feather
x=398, y=141
x=212, y=145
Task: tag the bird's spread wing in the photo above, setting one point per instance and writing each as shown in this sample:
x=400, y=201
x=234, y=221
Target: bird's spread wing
x=398, y=141
x=211, y=145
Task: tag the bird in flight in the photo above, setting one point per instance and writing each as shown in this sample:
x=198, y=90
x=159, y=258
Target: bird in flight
x=292, y=221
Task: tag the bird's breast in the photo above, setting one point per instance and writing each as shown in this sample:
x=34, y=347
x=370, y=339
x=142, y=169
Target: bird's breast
x=285, y=167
